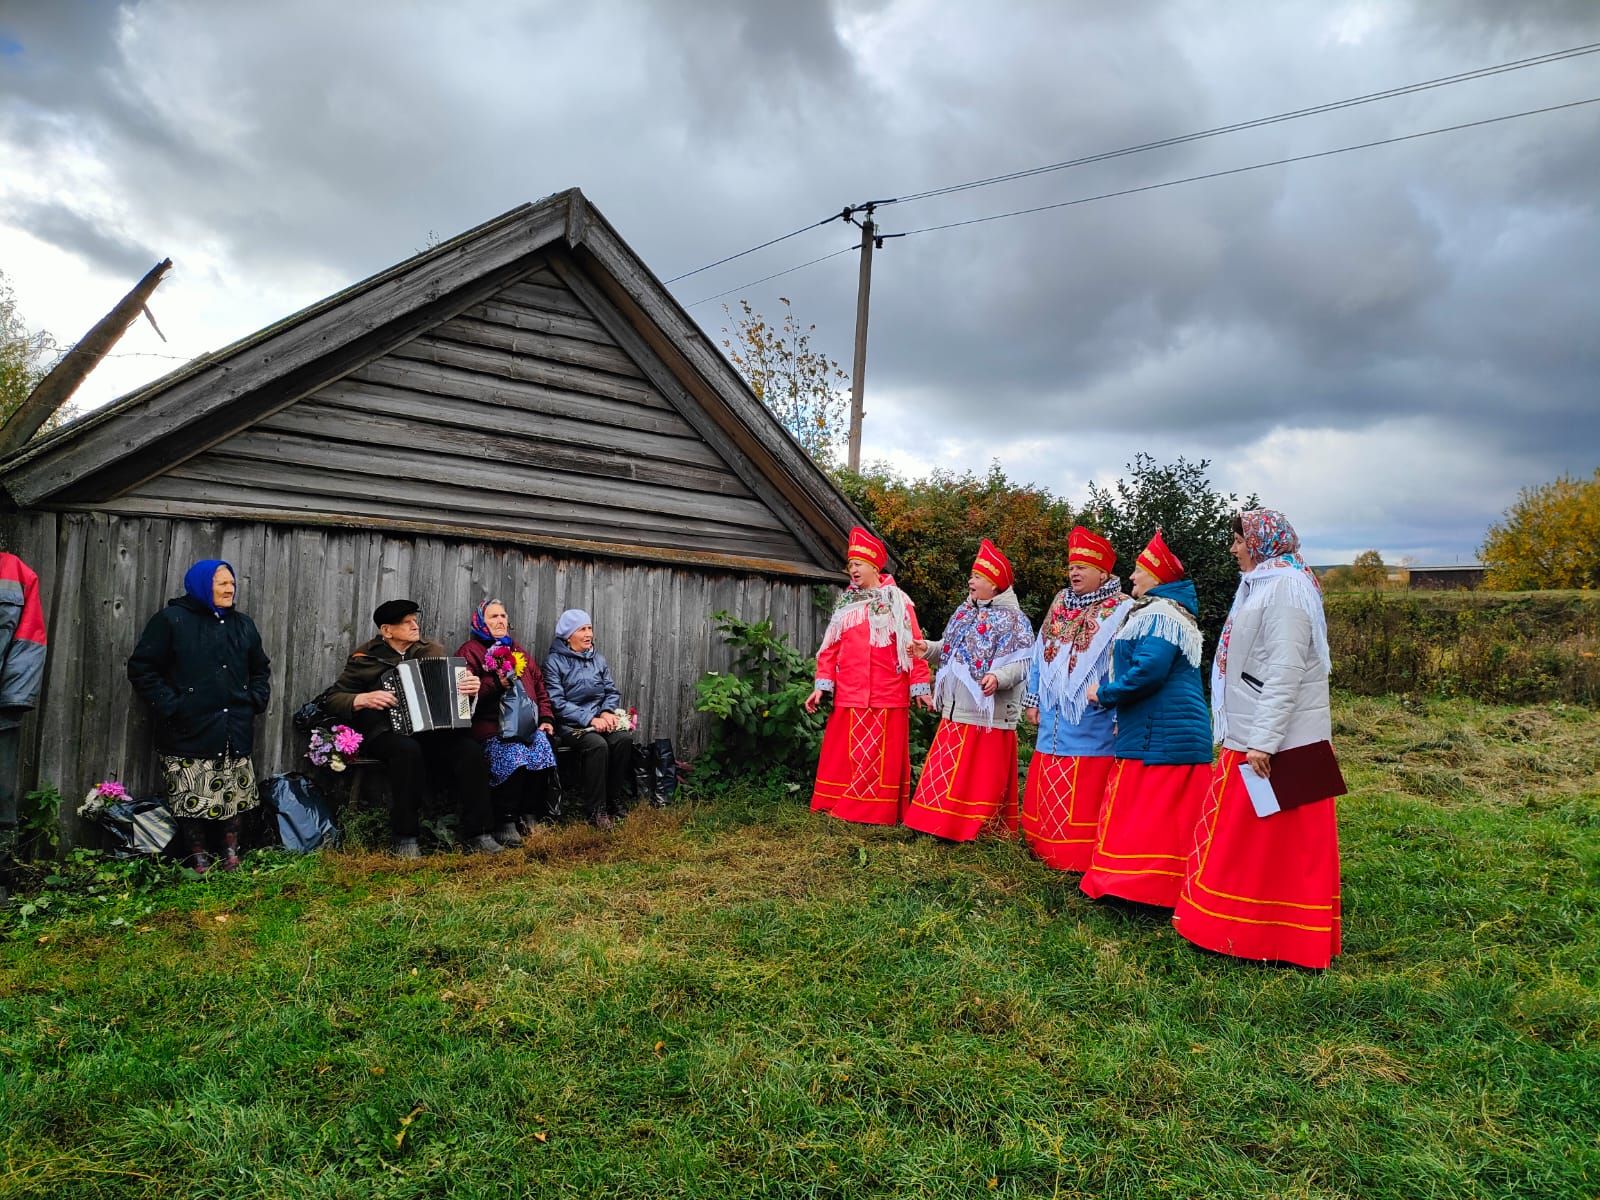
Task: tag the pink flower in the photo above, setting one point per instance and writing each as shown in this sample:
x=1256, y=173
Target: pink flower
x=345, y=739
x=111, y=789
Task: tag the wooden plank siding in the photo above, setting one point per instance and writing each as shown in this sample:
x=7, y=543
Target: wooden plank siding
x=522, y=414
x=311, y=591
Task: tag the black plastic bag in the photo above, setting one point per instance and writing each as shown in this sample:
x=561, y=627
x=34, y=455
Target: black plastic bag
x=313, y=713
x=304, y=821
x=137, y=827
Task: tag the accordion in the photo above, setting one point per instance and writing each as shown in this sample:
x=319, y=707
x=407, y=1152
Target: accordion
x=428, y=697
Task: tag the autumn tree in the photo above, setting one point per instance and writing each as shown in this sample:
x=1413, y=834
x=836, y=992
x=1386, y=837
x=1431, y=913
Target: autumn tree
x=1368, y=570
x=1195, y=519
x=934, y=526
x=22, y=354
x=1550, y=538
x=805, y=389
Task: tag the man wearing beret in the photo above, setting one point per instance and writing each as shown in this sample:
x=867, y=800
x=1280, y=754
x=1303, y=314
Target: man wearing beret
x=360, y=699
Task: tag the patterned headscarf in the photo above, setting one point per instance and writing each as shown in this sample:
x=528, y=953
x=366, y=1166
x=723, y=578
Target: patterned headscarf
x=1269, y=537
x=480, y=626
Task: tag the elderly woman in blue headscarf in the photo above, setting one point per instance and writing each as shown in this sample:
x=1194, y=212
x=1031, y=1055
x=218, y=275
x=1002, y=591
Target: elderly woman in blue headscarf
x=586, y=703
x=200, y=667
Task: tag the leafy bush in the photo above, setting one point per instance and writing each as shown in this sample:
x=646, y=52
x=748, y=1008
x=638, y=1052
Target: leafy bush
x=760, y=702
x=39, y=824
x=1498, y=647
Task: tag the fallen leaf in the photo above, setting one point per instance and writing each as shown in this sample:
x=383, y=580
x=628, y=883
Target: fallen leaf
x=377, y=1070
x=660, y=1046
x=220, y=918
x=541, y=1136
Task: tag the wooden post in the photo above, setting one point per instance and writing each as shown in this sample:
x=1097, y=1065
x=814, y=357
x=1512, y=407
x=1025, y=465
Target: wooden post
x=56, y=388
x=858, y=373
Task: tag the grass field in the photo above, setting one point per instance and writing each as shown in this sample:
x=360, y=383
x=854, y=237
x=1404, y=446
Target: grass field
x=736, y=998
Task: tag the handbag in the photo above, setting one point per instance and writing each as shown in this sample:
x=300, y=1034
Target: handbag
x=313, y=713
x=519, y=715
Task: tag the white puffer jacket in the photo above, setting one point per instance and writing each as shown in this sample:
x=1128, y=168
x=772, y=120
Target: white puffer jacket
x=1275, y=695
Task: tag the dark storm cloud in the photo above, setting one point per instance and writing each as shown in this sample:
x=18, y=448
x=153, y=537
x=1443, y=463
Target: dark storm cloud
x=85, y=237
x=1450, y=280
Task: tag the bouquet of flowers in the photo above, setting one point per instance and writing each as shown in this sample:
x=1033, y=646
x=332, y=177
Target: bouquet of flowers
x=504, y=662
x=331, y=745
x=107, y=791
x=627, y=718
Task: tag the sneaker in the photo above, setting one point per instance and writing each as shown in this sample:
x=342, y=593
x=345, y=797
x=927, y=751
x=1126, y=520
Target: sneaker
x=507, y=835
x=482, y=844
x=406, y=848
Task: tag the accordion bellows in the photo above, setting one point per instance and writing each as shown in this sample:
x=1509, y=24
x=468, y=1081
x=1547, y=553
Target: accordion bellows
x=429, y=694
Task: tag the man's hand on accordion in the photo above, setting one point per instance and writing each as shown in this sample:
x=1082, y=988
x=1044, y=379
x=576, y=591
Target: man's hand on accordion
x=377, y=699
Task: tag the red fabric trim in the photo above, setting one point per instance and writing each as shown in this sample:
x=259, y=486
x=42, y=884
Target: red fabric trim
x=1146, y=831
x=1261, y=887
x=1061, y=807
x=864, y=769
x=969, y=782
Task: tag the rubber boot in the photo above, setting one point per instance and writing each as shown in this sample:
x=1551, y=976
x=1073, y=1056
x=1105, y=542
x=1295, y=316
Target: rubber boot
x=198, y=859
x=230, y=845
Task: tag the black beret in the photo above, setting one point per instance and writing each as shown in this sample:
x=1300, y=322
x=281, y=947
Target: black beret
x=392, y=612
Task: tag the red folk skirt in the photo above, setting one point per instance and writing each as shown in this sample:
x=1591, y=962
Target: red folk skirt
x=1261, y=887
x=1061, y=807
x=969, y=780
x=1146, y=831
x=864, y=770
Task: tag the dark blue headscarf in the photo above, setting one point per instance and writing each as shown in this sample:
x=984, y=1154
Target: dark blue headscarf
x=197, y=580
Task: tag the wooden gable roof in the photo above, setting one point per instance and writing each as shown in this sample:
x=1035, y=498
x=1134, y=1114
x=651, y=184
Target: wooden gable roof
x=528, y=381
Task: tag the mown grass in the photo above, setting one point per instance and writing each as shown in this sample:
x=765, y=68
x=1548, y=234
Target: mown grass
x=736, y=998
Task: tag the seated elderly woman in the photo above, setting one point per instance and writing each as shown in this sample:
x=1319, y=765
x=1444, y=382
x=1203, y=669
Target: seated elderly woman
x=512, y=719
x=586, y=701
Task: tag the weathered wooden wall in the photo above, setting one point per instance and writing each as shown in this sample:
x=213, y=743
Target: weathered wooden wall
x=522, y=415
x=311, y=591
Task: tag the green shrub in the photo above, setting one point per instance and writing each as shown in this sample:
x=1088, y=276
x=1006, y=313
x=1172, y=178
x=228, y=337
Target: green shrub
x=760, y=702
x=1502, y=647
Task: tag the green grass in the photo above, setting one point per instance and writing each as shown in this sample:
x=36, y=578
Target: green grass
x=736, y=998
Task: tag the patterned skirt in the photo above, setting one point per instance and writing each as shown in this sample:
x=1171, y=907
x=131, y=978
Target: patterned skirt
x=508, y=757
x=1146, y=831
x=864, y=770
x=969, y=781
x=1261, y=887
x=1061, y=807
x=209, y=789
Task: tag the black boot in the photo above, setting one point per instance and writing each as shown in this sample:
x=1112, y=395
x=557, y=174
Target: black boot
x=666, y=764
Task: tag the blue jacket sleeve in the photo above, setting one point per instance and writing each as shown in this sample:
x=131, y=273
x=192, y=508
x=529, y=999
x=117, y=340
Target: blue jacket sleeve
x=1149, y=663
x=608, y=685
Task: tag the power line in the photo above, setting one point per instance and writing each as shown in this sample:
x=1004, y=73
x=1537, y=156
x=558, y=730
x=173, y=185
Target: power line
x=1276, y=162
x=1259, y=122
x=771, y=242
x=1178, y=140
x=774, y=275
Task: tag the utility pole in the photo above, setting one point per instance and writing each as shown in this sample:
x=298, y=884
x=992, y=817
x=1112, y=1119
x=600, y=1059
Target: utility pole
x=858, y=372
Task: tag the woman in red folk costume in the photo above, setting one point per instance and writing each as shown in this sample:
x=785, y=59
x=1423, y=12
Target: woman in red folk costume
x=970, y=777
x=1266, y=887
x=864, y=770
x=1073, y=753
x=1163, y=742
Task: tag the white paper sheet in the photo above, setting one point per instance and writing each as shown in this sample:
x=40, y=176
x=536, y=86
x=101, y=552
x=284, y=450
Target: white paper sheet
x=1262, y=797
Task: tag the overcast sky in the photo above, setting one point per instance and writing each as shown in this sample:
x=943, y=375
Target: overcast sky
x=1386, y=344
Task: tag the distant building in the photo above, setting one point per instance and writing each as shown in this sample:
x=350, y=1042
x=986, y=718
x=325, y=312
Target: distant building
x=1456, y=576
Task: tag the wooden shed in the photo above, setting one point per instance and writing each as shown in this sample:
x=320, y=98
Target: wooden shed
x=521, y=412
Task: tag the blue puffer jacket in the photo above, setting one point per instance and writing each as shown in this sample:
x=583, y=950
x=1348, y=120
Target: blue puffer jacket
x=580, y=685
x=1162, y=715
